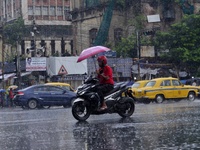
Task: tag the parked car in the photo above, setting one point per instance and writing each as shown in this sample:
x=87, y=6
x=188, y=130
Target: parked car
x=61, y=84
x=38, y=96
x=190, y=81
x=138, y=84
x=160, y=89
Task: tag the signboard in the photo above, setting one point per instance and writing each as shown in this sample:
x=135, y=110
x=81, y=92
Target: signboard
x=153, y=18
x=66, y=66
x=147, y=51
x=36, y=64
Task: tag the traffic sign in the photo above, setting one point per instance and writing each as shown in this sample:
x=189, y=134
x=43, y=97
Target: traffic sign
x=62, y=70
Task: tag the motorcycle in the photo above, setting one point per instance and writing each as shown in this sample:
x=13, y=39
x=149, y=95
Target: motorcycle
x=88, y=102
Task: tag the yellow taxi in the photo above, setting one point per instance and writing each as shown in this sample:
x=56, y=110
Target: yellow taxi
x=161, y=89
x=138, y=84
x=61, y=84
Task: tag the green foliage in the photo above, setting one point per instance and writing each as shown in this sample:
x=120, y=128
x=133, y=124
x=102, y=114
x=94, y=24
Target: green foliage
x=126, y=48
x=14, y=31
x=121, y=3
x=182, y=40
x=138, y=22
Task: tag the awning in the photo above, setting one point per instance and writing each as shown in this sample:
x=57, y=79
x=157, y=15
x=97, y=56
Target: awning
x=6, y=76
x=25, y=73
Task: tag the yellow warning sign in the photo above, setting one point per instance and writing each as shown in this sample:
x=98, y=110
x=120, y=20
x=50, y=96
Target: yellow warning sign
x=62, y=70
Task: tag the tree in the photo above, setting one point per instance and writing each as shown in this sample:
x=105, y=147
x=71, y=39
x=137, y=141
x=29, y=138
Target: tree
x=126, y=47
x=14, y=31
x=182, y=41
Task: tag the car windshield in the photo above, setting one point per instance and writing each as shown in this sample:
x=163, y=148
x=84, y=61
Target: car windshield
x=136, y=85
x=66, y=87
x=150, y=84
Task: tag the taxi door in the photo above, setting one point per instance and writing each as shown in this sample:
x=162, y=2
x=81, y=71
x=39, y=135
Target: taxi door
x=179, y=91
x=166, y=88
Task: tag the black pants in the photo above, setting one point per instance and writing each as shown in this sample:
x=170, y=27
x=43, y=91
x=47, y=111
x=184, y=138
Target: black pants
x=103, y=89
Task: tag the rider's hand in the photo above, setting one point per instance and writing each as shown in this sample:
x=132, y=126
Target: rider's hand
x=97, y=71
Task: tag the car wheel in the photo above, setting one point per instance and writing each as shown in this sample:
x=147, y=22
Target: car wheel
x=191, y=96
x=32, y=104
x=159, y=99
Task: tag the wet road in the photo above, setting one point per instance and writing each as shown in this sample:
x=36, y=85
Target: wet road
x=171, y=125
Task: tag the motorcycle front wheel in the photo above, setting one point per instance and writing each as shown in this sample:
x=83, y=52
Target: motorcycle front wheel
x=126, y=109
x=80, y=111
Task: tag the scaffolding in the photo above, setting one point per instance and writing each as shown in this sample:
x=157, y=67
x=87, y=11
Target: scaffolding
x=105, y=25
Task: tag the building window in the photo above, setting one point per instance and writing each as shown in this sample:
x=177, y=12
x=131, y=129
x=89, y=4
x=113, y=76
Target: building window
x=45, y=10
x=93, y=34
x=52, y=10
x=117, y=35
x=67, y=9
x=59, y=11
x=38, y=10
x=30, y=10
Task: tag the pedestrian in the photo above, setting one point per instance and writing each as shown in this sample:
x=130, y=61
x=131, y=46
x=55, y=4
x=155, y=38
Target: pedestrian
x=11, y=96
x=194, y=83
x=105, y=76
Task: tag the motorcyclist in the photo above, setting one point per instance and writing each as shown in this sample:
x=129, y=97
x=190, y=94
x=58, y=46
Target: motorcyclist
x=105, y=76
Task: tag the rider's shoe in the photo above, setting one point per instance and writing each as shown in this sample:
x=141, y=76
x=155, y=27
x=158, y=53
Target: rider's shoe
x=103, y=108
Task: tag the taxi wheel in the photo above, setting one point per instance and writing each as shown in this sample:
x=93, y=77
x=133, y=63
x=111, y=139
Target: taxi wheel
x=159, y=99
x=191, y=96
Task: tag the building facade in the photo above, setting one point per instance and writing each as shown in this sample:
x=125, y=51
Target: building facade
x=89, y=19
x=46, y=20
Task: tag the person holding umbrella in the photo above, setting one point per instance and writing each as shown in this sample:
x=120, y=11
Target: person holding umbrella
x=105, y=76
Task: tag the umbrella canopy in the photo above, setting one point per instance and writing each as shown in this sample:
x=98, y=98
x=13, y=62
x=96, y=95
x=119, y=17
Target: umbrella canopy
x=2, y=90
x=91, y=51
x=13, y=87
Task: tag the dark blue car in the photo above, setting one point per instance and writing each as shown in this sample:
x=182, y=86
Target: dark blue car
x=38, y=96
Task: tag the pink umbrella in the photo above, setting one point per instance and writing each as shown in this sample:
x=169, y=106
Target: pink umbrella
x=91, y=51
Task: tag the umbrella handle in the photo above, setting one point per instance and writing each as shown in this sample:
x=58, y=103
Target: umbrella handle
x=95, y=64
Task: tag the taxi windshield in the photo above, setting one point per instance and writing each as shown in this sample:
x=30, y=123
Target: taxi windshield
x=135, y=85
x=150, y=84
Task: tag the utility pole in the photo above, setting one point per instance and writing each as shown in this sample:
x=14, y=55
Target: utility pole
x=18, y=67
x=34, y=29
x=3, y=57
x=34, y=38
x=138, y=52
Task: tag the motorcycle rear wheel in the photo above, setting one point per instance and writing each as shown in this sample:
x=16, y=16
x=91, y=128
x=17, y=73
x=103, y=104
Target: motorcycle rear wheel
x=128, y=110
x=80, y=111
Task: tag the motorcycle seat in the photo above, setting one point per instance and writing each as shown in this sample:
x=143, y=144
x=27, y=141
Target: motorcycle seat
x=116, y=87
